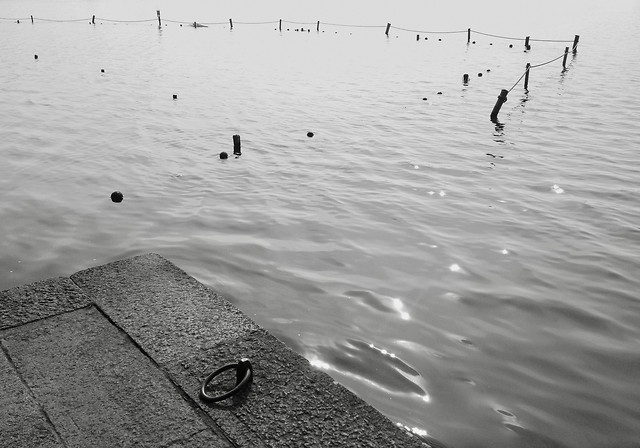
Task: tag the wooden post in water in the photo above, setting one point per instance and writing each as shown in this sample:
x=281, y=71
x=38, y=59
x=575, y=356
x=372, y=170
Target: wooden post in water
x=526, y=77
x=159, y=20
x=93, y=20
x=502, y=98
x=468, y=35
x=465, y=78
x=231, y=23
x=575, y=44
x=280, y=26
x=318, y=26
x=417, y=37
x=236, y=145
x=526, y=43
x=387, y=31
x=32, y=20
x=564, y=60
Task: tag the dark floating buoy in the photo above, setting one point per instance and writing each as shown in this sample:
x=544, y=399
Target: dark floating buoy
x=224, y=155
x=35, y=56
x=424, y=99
x=426, y=38
x=490, y=43
x=236, y=145
x=439, y=93
x=479, y=75
x=439, y=40
x=116, y=196
x=510, y=45
x=309, y=134
x=488, y=70
x=175, y=97
x=101, y=70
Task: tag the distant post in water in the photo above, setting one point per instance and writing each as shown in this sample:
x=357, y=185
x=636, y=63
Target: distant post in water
x=468, y=35
x=575, y=44
x=526, y=43
x=93, y=20
x=280, y=26
x=417, y=37
x=502, y=98
x=32, y=19
x=231, y=23
x=526, y=77
x=465, y=78
x=236, y=145
x=564, y=60
x=387, y=31
x=159, y=20
x=318, y=26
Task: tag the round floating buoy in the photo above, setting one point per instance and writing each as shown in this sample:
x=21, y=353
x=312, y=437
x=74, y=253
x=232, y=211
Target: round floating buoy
x=116, y=196
x=35, y=56
x=424, y=99
x=224, y=155
x=439, y=40
x=439, y=93
x=101, y=70
x=488, y=70
x=490, y=43
x=309, y=134
x=479, y=75
x=510, y=45
x=474, y=42
x=175, y=97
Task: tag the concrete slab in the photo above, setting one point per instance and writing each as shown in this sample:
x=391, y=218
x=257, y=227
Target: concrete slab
x=99, y=389
x=39, y=300
x=189, y=330
x=22, y=422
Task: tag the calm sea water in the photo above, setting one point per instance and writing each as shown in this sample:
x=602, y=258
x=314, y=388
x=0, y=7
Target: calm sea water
x=474, y=281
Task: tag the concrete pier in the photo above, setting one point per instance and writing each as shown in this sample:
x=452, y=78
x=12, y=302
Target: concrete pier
x=115, y=356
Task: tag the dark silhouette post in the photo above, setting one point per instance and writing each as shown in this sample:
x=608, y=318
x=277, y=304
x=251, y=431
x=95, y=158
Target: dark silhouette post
x=32, y=20
x=526, y=77
x=502, y=98
x=93, y=20
x=318, y=26
x=564, y=60
x=465, y=78
x=526, y=43
x=387, y=31
x=159, y=20
x=468, y=35
x=231, y=23
x=575, y=44
x=236, y=145
x=280, y=26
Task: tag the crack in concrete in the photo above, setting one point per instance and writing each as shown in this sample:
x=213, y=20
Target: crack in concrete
x=44, y=413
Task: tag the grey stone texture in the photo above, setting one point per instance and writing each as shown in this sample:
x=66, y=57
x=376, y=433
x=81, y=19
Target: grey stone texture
x=128, y=367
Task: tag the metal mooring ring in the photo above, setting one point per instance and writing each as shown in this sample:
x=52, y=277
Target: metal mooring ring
x=244, y=375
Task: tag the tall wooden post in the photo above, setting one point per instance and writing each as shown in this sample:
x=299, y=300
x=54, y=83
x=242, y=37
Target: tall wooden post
x=318, y=26
x=526, y=77
x=387, y=31
x=465, y=78
x=280, y=26
x=32, y=19
x=93, y=20
x=575, y=44
x=159, y=20
x=468, y=35
x=231, y=23
x=417, y=37
x=526, y=43
x=502, y=98
x=564, y=60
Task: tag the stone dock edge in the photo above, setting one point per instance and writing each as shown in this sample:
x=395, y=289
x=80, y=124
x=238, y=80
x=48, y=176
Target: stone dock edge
x=115, y=355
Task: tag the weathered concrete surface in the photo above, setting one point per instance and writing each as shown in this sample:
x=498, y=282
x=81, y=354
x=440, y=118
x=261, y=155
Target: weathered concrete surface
x=98, y=389
x=188, y=331
x=39, y=300
x=22, y=422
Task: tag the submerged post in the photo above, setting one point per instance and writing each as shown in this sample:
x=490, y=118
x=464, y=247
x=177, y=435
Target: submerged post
x=231, y=23
x=93, y=20
x=387, y=31
x=468, y=35
x=575, y=44
x=526, y=77
x=526, y=43
x=502, y=98
x=318, y=26
x=236, y=145
x=280, y=26
x=159, y=21
x=564, y=60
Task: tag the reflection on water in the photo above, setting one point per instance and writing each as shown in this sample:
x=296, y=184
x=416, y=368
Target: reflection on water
x=485, y=307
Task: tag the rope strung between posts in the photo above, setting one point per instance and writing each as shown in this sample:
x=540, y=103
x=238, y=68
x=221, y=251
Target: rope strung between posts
x=429, y=32
x=539, y=65
x=125, y=21
x=519, y=38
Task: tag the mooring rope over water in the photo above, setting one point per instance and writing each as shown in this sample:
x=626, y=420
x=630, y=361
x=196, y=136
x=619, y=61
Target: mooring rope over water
x=429, y=32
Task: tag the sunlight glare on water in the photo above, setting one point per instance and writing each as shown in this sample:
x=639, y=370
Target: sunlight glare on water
x=474, y=281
